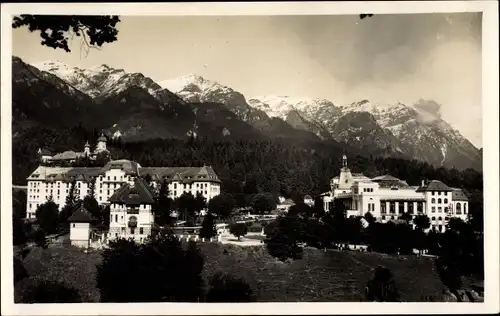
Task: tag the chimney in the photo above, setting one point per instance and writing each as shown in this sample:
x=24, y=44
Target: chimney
x=423, y=182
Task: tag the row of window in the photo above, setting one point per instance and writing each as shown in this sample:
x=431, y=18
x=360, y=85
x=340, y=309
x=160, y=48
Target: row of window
x=439, y=193
x=433, y=200
x=367, y=189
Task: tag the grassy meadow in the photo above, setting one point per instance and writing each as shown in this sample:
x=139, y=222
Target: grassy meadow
x=332, y=276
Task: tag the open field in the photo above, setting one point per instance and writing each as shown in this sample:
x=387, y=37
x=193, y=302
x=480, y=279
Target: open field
x=332, y=276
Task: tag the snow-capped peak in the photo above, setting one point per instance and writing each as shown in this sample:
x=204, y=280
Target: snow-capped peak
x=178, y=84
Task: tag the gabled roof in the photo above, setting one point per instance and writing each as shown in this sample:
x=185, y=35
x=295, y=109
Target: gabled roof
x=458, y=195
x=67, y=155
x=139, y=193
x=181, y=174
x=129, y=167
x=81, y=215
x=434, y=185
x=386, y=177
x=45, y=152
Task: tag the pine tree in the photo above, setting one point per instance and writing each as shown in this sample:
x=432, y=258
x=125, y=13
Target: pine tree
x=69, y=206
x=163, y=205
x=208, y=229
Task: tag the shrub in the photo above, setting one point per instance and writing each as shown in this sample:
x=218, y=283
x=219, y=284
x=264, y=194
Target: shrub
x=238, y=229
x=48, y=291
x=226, y=288
x=382, y=287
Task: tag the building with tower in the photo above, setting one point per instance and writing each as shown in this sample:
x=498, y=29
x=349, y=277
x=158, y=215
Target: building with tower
x=387, y=198
x=70, y=156
x=116, y=184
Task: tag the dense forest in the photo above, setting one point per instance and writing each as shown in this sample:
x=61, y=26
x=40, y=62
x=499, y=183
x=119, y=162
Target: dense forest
x=245, y=167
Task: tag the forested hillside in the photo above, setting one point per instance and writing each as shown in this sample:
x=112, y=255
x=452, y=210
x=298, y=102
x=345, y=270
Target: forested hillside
x=244, y=166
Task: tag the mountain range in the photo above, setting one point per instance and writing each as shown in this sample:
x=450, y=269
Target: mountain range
x=135, y=107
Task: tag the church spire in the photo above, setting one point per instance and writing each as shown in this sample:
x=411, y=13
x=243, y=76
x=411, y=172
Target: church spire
x=344, y=161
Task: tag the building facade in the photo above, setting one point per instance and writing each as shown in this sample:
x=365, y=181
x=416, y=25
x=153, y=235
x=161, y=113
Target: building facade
x=55, y=182
x=387, y=198
x=131, y=211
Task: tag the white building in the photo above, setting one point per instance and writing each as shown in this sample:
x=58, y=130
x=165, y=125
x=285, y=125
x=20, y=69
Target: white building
x=387, y=198
x=80, y=227
x=56, y=182
x=131, y=211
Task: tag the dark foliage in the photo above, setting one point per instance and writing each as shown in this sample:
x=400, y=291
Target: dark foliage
x=47, y=217
x=208, y=229
x=222, y=205
x=19, y=234
x=20, y=272
x=226, y=288
x=161, y=269
x=238, y=229
x=56, y=30
x=47, y=291
x=382, y=287
x=263, y=203
x=163, y=206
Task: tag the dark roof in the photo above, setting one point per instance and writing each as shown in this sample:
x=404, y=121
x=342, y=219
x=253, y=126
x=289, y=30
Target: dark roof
x=139, y=193
x=45, y=152
x=129, y=167
x=81, y=215
x=182, y=174
x=458, y=195
x=101, y=138
x=386, y=177
x=434, y=185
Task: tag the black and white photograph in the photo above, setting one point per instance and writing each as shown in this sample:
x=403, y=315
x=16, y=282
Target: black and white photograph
x=270, y=156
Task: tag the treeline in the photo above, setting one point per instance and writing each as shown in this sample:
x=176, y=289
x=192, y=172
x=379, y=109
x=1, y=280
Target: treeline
x=245, y=167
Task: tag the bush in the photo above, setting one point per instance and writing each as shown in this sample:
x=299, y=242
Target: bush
x=238, y=229
x=158, y=271
x=255, y=228
x=48, y=291
x=226, y=288
x=382, y=287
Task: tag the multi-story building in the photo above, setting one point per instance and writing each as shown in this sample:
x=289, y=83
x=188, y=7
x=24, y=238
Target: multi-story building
x=131, y=211
x=56, y=182
x=387, y=198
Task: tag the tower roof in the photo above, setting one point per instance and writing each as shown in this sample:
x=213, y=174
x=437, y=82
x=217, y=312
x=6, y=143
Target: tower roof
x=87, y=144
x=81, y=215
x=101, y=138
x=138, y=193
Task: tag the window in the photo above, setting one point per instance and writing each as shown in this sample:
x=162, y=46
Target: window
x=445, y=201
x=465, y=208
x=132, y=230
x=440, y=218
x=73, y=225
x=433, y=200
x=383, y=217
x=439, y=201
x=111, y=218
x=446, y=218
x=114, y=178
x=433, y=218
x=433, y=209
x=433, y=192
x=116, y=218
x=141, y=231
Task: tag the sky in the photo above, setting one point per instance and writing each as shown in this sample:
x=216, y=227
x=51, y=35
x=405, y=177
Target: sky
x=385, y=58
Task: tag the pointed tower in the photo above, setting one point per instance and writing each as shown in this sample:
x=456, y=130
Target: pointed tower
x=86, y=150
x=101, y=143
x=345, y=178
